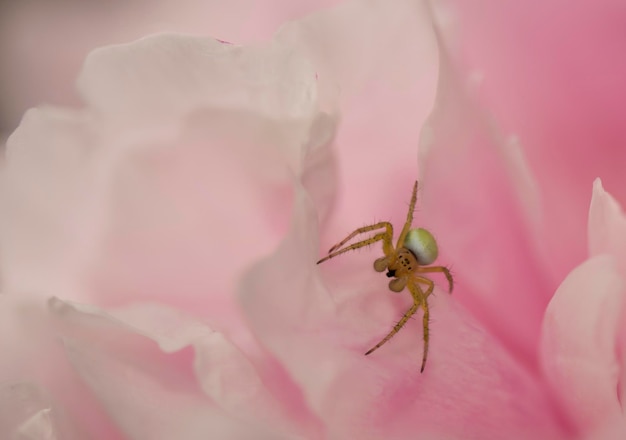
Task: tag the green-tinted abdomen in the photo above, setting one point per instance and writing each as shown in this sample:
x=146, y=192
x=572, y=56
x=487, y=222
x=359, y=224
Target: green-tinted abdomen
x=423, y=245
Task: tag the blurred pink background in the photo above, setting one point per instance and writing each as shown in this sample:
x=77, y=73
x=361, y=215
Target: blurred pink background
x=43, y=42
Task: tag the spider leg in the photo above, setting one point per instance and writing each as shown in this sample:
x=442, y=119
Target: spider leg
x=424, y=303
x=426, y=335
x=396, y=328
x=388, y=229
x=418, y=298
x=441, y=269
x=386, y=237
x=409, y=218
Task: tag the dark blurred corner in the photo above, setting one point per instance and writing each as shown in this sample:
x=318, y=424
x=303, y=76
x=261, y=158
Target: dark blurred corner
x=43, y=44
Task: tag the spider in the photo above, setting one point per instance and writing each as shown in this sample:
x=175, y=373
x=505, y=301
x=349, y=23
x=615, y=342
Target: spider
x=407, y=263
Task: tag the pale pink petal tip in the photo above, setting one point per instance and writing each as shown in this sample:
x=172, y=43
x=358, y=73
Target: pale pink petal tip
x=580, y=342
x=607, y=225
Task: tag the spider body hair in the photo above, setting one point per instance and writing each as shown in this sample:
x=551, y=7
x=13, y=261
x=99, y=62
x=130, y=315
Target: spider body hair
x=406, y=264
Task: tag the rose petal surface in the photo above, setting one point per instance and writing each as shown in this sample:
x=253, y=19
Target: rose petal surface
x=150, y=394
x=383, y=58
x=40, y=390
x=480, y=201
x=27, y=411
x=572, y=129
x=580, y=341
x=607, y=226
x=45, y=44
x=165, y=169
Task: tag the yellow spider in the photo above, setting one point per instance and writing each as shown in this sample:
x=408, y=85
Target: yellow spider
x=415, y=250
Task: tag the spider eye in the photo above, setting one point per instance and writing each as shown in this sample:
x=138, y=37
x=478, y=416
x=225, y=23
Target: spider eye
x=423, y=245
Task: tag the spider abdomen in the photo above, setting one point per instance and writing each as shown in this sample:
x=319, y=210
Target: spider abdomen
x=423, y=245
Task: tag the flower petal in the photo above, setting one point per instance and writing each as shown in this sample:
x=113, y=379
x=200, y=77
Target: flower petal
x=382, y=56
x=47, y=45
x=188, y=148
x=51, y=187
x=224, y=371
x=607, y=226
x=39, y=387
x=572, y=130
x=480, y=201
x=113, y=357
x=579, y=343
x=159, y=79
x=28, y=412
x=613, y=430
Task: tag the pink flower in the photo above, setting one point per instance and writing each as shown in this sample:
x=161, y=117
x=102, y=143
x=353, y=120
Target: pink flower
x=158, y=244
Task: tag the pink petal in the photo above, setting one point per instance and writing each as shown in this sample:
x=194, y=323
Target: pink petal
x=607, y=235
x=479, y=199
x=39, y=389
x=579, y=343
x=175, y=178
x=46, y=45
x=613, y=430
x=222, y=369
x=471, y=387
x=28, y=412
x=162, y=78
x=152, y=395
x=383, y=58
x=552, y=72
x=607, y=226
x=50, y=224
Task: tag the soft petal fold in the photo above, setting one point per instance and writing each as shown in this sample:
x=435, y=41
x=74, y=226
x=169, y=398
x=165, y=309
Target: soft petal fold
x=382, y=56
x=51, y=193
x=187, y=147
x=479, y=199
x=470, y=389
x=28, y=412
x=39, y=387
x=46, y=46
x=161, y=78
x=114, y=356
x=580, y=342
x=572, y=130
